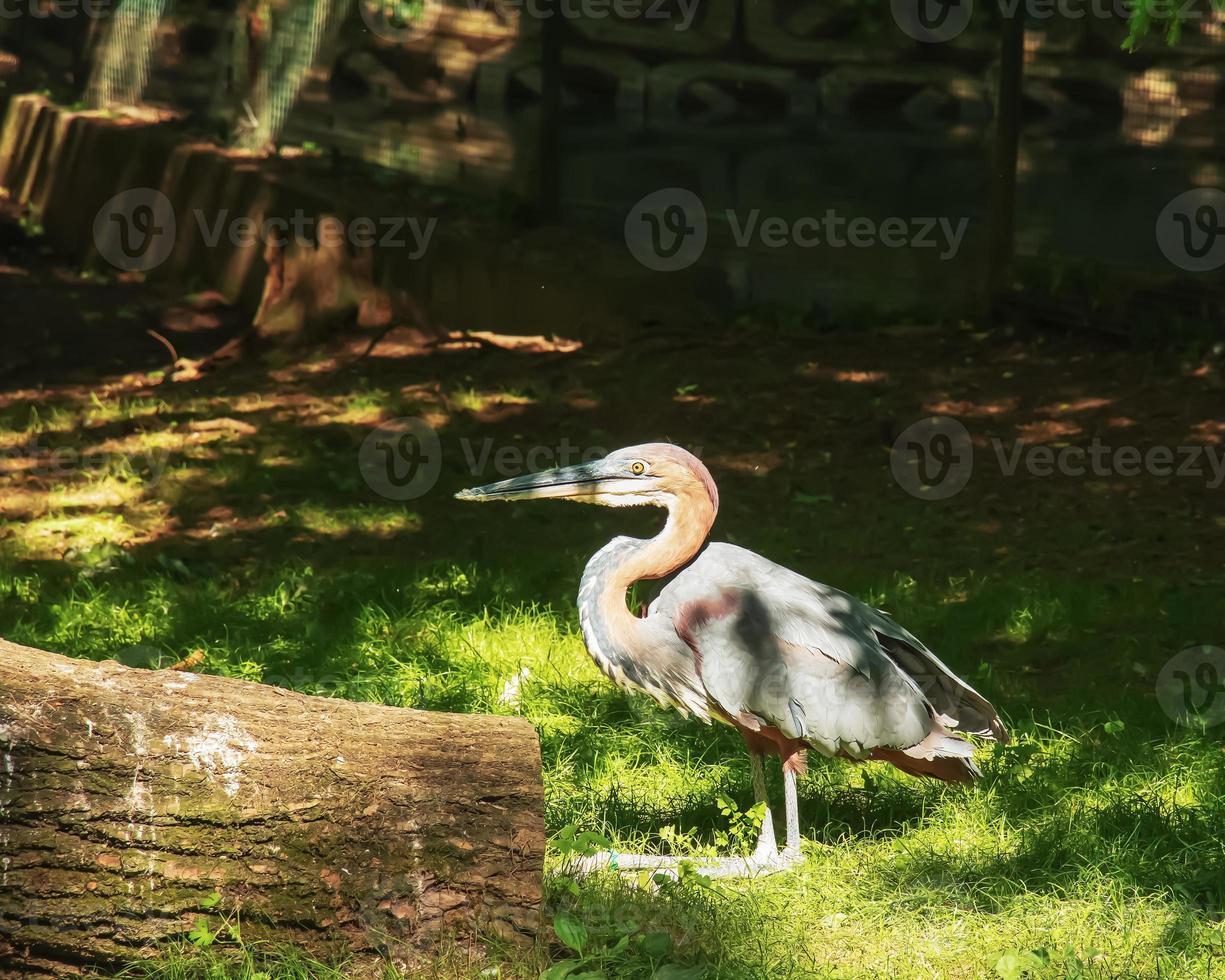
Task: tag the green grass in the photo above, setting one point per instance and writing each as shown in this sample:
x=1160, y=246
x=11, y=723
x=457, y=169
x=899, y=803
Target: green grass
x=1100, y=848
x=1091, y=848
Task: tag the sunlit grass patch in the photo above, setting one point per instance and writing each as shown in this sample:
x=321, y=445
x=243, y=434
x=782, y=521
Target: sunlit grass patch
x=123, y=408
x=234, y=962
x=45, y=417
x=338, y=521
x=55, y=534
x=107, y=491
x=474, y=401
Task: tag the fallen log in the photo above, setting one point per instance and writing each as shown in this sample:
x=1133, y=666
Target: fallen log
x=134, y=803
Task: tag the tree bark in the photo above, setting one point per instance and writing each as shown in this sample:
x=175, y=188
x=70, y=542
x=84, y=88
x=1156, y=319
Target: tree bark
x=131, y=799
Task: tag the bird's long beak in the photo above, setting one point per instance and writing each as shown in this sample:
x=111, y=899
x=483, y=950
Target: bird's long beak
x=584, y=480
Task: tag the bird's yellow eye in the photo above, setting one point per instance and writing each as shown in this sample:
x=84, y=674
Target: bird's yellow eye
x=638, y=468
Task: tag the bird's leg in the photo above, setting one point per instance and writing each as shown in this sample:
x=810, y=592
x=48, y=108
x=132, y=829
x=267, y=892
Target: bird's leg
x=792, y=851
x=767, y=849
x=766, y=858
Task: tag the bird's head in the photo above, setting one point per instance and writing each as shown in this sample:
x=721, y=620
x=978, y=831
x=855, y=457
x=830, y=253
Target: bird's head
x=655, y=474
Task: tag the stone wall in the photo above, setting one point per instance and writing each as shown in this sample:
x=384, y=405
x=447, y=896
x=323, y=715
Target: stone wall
x=784, y=107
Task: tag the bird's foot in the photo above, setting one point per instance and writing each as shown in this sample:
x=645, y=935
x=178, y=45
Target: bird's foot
x=757, y=865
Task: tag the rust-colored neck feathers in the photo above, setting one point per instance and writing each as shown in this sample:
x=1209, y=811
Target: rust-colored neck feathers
x=691, y=513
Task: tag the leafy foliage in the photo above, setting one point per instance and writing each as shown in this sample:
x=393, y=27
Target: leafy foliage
x=1164, y=16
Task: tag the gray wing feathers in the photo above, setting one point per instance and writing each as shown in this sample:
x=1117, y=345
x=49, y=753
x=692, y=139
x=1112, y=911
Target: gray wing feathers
x=810, y=660
x=965, y=709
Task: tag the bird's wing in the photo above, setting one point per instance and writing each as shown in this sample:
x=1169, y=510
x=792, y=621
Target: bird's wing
x=951, y=696
x=807, y=659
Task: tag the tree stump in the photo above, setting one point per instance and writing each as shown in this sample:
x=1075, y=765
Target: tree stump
x=133, y=803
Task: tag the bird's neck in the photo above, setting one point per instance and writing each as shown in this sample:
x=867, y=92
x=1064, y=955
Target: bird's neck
x=619, y=641
x=682, y=537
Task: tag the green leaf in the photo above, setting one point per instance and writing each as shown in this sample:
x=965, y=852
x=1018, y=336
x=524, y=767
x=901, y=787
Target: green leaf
x=202, y=936
x=1014, y=965
x=212, y=901
x=570, y=931
x=1114, y=727
x=589, y=842
x=656, y=944
x=673, y=971
x=560, y=970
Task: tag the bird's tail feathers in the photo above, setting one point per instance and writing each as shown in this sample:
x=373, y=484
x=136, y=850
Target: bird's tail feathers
x=941, y=755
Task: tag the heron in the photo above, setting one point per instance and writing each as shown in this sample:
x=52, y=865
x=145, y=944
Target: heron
x=791, y=663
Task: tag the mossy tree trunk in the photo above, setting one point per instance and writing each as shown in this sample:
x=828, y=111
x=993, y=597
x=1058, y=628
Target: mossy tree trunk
x=133, y=802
